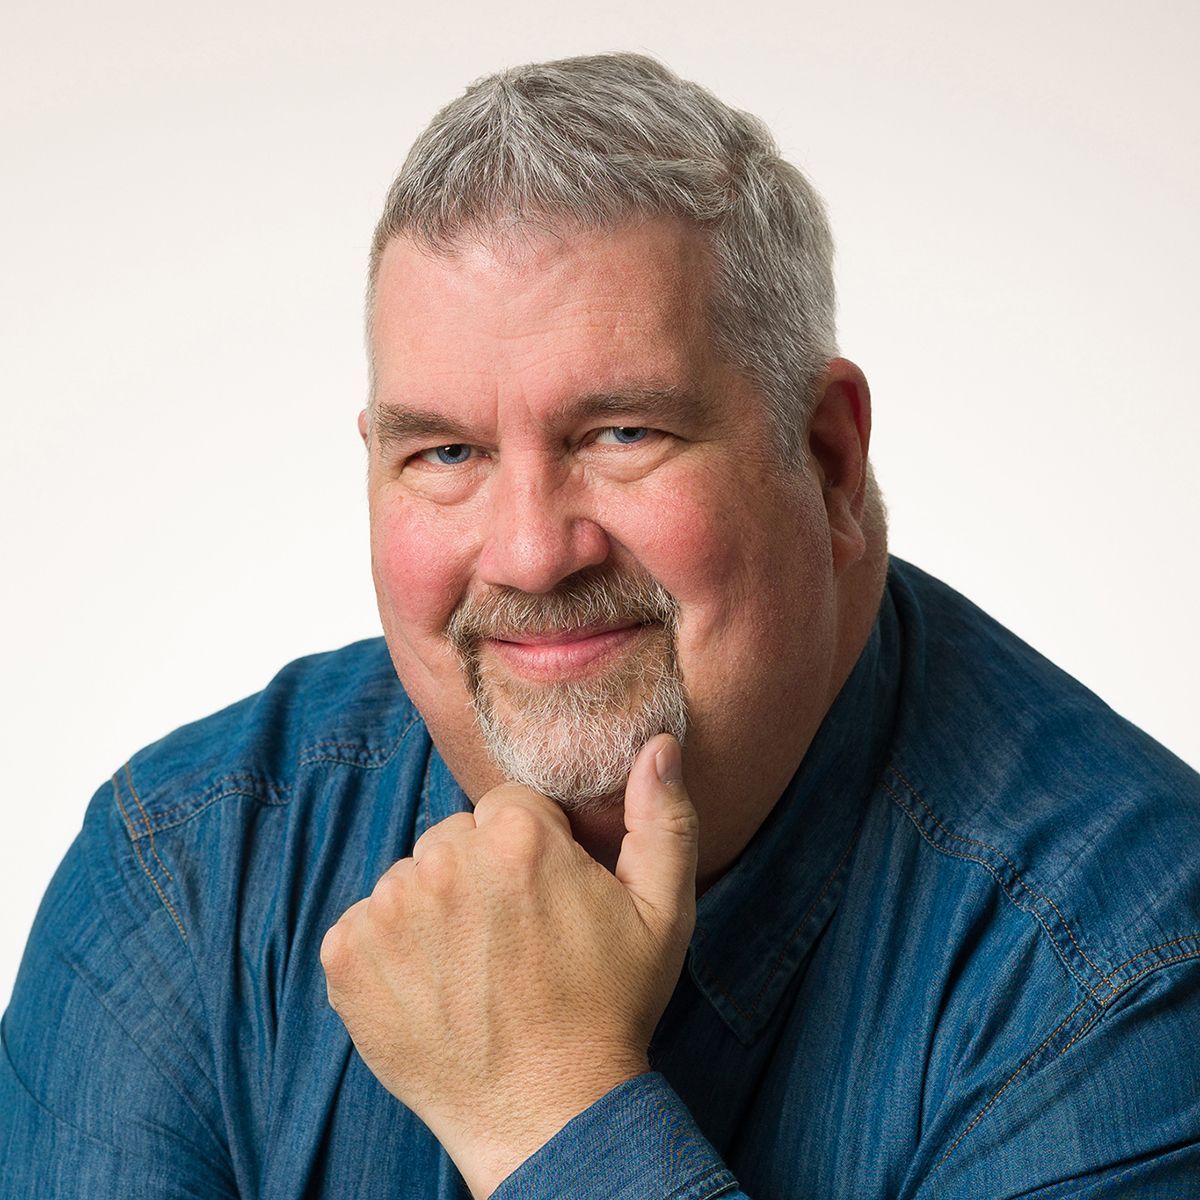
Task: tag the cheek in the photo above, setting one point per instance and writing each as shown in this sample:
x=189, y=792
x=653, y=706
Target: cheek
x=740, y=556
x=703, y=535
x=420, y=568
x=677, y=534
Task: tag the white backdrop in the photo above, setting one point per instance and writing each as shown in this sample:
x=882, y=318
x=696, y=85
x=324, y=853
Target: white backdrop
x=188, y=196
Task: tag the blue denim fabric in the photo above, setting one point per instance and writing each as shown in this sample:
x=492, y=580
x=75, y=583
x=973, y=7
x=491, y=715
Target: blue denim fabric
x=960, y=959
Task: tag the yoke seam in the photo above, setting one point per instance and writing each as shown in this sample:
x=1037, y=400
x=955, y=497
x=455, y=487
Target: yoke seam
x=122, y=941
x=1101, y=1008
x=149, y=829
x=1105, y=979
x=260, y=788
x=995, y=874
x=1013, y=866
x=1013, y=1078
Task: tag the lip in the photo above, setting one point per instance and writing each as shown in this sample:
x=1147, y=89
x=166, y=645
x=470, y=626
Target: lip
x=563, y=653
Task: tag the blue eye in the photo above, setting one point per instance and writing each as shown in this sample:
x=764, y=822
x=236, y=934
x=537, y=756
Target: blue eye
x=625, y=435
x=447, y=456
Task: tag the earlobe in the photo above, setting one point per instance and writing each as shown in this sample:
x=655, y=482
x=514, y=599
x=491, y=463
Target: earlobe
x=363, y=426
x=839, y=437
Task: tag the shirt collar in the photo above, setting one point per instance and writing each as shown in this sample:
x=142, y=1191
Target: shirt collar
x=758, y=921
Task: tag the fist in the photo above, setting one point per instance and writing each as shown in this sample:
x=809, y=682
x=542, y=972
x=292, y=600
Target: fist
x=500, y=980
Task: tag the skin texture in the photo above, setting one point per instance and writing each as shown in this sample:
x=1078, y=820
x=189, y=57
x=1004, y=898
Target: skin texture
x=496, y=941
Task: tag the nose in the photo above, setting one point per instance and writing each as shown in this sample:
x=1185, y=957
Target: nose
x=536, y=533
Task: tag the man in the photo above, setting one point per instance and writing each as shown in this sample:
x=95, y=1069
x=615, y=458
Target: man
x=947, y=940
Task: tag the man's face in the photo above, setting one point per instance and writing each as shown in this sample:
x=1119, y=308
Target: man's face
x=581, y=533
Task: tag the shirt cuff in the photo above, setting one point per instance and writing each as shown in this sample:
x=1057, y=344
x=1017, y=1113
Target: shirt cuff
x=637, y=1140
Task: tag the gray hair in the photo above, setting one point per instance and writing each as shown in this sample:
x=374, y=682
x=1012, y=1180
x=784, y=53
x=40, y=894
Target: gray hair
x=596, y=140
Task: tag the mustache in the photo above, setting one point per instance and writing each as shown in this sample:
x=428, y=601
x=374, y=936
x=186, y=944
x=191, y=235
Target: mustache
x=587, y=598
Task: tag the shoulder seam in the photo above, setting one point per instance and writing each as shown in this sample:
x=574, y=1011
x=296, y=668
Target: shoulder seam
x=1108, y=985
x=1006, y=875
x=1017, y=1074
x=137, y=849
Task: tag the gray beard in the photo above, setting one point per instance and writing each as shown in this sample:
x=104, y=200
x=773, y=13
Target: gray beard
x=576, y=741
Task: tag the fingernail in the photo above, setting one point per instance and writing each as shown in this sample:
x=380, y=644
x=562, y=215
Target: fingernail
x=668, y=762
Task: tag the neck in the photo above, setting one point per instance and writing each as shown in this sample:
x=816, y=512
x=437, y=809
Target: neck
x=735, y=793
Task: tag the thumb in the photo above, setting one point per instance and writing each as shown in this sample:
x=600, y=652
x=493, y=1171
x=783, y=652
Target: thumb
x=657, y=863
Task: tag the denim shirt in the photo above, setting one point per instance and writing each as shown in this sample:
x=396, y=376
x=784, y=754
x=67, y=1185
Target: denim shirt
x=961, y=957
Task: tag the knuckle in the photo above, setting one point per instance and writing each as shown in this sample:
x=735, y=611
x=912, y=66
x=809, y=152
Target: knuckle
x=519, y=832
x=501, y=798
x=449, y=826
x=437, y=868
x=334, y=951
x=389, y=899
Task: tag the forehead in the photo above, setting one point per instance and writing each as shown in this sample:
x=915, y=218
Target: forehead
x=575, y=309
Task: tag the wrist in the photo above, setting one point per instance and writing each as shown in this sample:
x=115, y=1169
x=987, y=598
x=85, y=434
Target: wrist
x=487, y=1148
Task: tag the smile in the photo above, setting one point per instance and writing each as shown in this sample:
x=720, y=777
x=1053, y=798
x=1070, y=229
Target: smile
x=560, y=653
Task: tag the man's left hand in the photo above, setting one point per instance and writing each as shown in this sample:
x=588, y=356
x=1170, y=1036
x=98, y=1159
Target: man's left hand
x=500, y=980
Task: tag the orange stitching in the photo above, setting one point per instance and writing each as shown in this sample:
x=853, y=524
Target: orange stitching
x=1082, y=1030
x=974, y=841
x=269, y=791
x=984, y=1110
x=1079, y=1033
x=214, y=792
x=1163, y=962
x=149, y=831
x=1115, y=990
x=962, y=854
x=334, y=744
x=1104, y=978
x=306, y=756
x=1187, y=937
x=138, y=851
x=1104, y=1004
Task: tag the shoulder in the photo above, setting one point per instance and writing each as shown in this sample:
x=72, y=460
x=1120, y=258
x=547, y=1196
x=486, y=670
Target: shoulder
x=1011, y=766
x=200, y=829
x=317, y=781
x=341, y=707
x=1049, y=843
x=179, y=939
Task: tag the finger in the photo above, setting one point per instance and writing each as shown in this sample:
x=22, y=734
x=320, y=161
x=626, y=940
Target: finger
x=453, y=828
x=510, y=795
x=387, y=905
x=337, y=946
x=657, y=863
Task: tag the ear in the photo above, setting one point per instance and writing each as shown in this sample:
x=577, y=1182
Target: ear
x=839, y=435
x=363, y=427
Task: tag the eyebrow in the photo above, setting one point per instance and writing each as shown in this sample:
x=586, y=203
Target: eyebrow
x=654, y=404
x=392, y=423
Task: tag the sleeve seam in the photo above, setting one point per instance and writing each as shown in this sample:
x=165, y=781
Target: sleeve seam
x=1092, y=1019
x=135, y=973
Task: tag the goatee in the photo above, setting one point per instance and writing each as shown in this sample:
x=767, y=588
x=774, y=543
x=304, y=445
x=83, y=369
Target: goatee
x=574, y=741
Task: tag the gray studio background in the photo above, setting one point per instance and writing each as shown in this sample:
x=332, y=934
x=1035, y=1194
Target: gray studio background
x=188, y=197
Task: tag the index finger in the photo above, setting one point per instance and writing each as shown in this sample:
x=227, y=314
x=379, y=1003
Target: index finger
x=509, y=795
